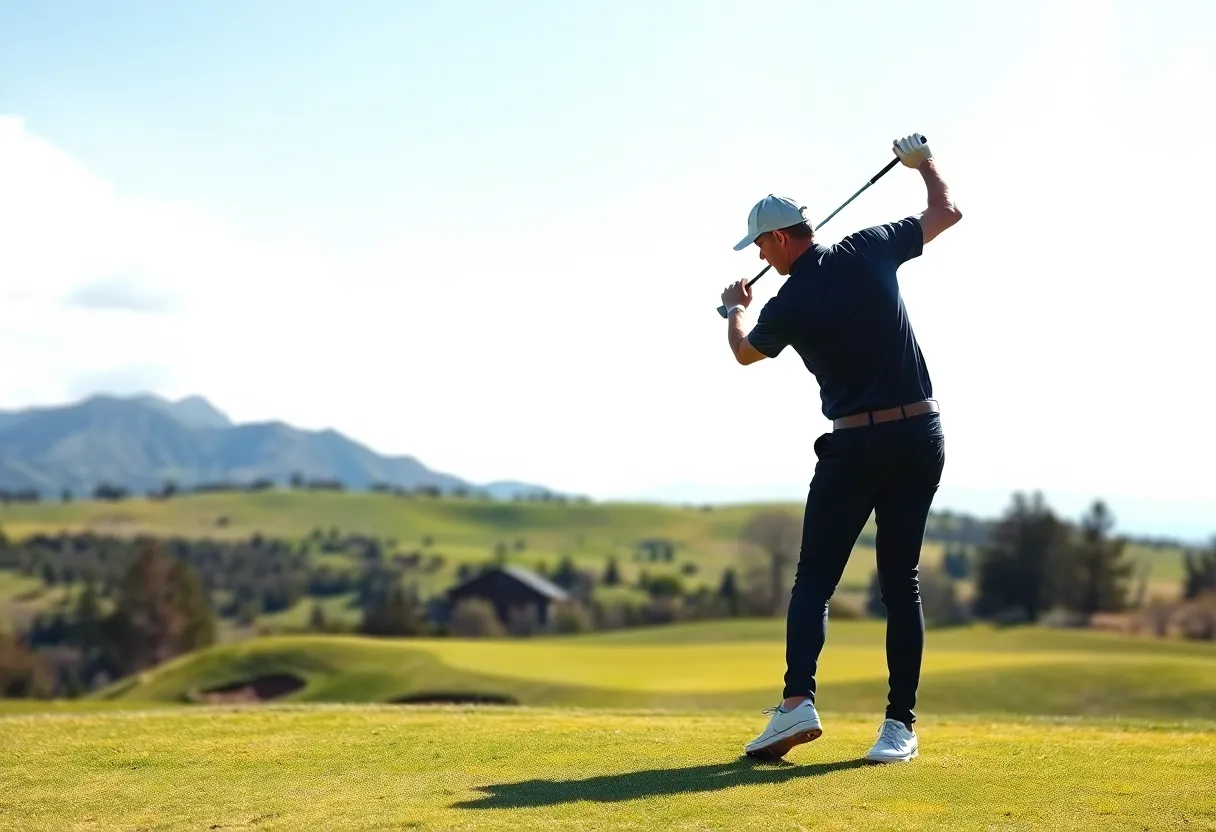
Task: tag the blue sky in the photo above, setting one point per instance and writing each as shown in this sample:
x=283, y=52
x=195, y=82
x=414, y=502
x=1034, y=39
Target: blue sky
x=322, y=212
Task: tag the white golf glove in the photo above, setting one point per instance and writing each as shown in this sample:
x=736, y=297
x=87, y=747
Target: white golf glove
x=913, y=150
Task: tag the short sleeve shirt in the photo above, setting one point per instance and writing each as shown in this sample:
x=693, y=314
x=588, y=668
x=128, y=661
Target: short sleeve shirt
x=841, y=310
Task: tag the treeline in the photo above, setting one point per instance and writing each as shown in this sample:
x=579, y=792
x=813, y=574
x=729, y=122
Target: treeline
x=113, y=492
x=139, y=602
x=156, y=610
x=1037, y=567
x=245, y=578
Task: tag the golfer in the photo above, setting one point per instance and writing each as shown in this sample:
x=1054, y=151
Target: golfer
x=841, y=311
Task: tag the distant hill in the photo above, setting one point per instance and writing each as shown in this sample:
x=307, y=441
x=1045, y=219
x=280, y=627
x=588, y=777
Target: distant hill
x=140, y=442
x=192, y=411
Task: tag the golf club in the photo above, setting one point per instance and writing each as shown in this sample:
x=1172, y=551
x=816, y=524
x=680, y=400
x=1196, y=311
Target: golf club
x=722, y=309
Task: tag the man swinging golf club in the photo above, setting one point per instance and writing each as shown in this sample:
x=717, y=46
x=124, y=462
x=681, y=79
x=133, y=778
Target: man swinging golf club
x=841, y=311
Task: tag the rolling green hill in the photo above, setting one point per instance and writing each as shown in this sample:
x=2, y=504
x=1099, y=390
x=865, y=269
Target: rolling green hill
x=706, y=539
x=713, y=666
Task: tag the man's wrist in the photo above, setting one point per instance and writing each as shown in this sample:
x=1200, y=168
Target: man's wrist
x=738, y=307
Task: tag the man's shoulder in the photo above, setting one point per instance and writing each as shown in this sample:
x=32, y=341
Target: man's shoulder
x=883, y=232
x=900, y=238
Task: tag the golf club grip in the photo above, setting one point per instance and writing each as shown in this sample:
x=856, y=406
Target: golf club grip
x=883, y=172
x=892, y=164
x=757, y=277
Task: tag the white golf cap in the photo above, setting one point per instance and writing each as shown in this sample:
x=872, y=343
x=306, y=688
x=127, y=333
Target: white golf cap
x=770, y=214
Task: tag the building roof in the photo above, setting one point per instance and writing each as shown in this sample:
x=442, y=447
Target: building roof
x=528, y=578
x=539, y=583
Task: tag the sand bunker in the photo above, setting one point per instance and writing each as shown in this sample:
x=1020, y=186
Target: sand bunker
x=260, y=689
x=454, y=698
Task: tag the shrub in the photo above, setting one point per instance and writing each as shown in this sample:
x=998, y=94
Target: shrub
x=476, y=618
x=572, y=617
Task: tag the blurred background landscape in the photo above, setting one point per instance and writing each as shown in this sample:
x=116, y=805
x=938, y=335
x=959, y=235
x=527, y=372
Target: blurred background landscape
x=372, y=457
x=134, y=530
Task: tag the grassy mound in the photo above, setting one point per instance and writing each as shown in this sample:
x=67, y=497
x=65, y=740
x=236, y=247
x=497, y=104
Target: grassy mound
x=1022, y=671
x=346, y=768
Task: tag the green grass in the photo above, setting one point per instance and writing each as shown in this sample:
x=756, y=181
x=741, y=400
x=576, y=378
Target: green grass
x=1022, y=671
x=1021, y=728
x=467, y=530
x=339, y=768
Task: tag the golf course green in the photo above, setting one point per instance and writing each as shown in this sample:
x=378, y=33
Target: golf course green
x=1021, y=728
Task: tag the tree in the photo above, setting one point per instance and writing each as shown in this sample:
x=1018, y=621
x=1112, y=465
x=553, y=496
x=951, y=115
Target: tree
x=1094, y=575
x=476, y=618
x=161, y=610
x=728, y=591
x=1013, y=569
x=956, y=564
x=1200, y=573
x=316, y=618
x=571, y=617
x=566, y=576
x=392, y=614
x=665, y=586
x=23, y=673
x=778, y=537
x=88, y=631
x=612, y=573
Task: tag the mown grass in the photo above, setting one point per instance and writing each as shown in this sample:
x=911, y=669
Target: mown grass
x=1022, y=671
x=1021, y=728
x=435, y=768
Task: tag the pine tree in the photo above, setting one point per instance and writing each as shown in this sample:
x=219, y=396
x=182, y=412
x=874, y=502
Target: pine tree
x=612, y=573
x=1200, y=573
x=316, y=618
x=1095, y=574
x=1014, y=567
x=161, y=610
x=728, y=590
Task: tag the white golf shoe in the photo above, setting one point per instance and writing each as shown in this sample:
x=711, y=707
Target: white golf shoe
x=895, y=744
x=785, y=730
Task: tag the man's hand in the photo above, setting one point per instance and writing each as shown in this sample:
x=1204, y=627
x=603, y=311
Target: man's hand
x=737, y=294
x=912, y=150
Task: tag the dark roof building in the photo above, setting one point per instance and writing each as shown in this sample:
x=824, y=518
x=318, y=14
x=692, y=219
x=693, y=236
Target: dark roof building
x=517, y=594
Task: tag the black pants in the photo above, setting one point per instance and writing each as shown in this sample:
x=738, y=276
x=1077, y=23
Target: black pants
x=892, y=469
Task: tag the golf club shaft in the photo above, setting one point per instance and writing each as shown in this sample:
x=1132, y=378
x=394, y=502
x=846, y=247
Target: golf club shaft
x=722, y=309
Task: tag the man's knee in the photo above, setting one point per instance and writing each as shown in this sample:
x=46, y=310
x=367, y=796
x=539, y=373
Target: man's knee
x=813, y=584
x=899, y=590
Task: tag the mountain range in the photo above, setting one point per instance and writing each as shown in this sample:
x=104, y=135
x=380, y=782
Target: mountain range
x=140, y=442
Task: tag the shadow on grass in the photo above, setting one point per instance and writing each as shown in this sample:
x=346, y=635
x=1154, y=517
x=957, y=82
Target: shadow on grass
x=638, y=784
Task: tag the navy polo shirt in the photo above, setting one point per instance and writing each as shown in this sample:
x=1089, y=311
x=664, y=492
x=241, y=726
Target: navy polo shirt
x=841, y=310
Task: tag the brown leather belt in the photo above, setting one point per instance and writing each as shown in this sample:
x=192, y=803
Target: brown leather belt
x=874, y=417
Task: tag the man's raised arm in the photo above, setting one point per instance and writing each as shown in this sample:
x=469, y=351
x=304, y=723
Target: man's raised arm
x=941, y=212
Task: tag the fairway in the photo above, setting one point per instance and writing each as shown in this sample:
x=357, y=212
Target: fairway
x=441, y=768
x=1018, y=671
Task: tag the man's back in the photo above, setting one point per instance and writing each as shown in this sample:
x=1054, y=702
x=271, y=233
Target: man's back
x=841, y=311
